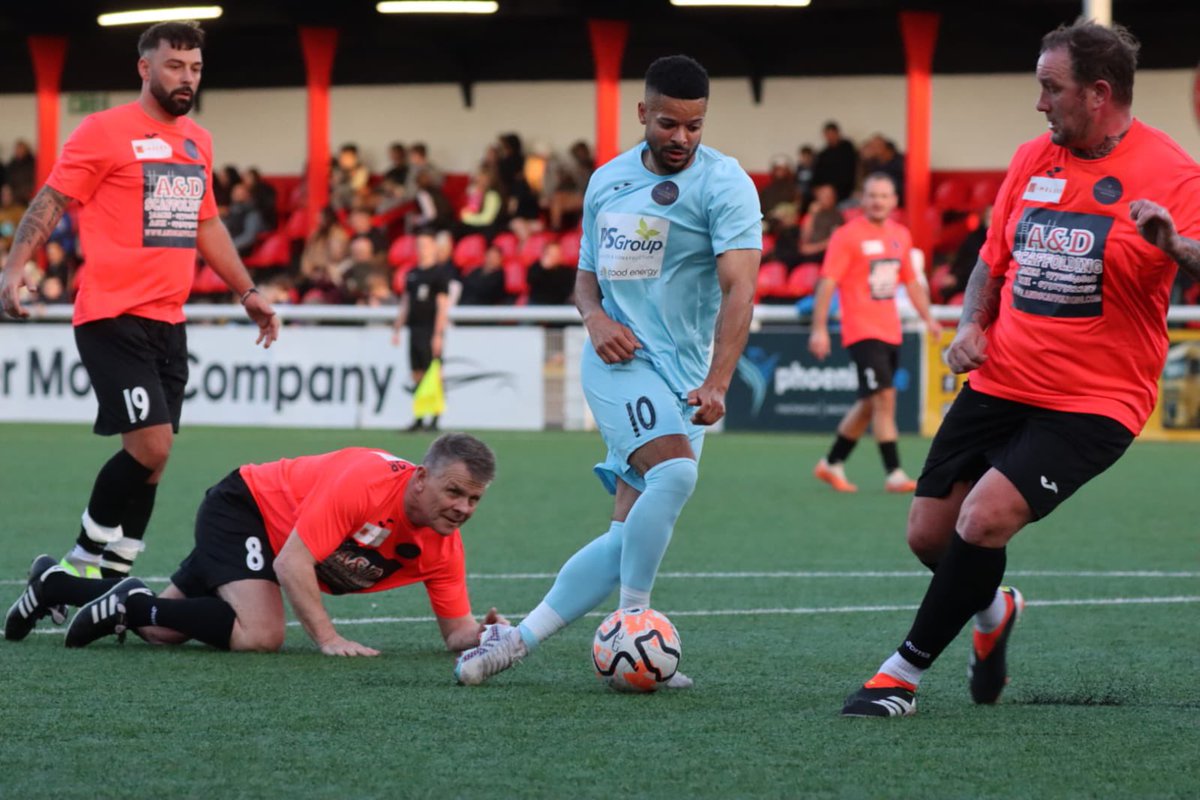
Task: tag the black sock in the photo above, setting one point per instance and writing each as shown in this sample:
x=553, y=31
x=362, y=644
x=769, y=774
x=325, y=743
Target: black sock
x=133, y=526
x=60, y=588
x=209, y=619
x=841, y=449
x=965, y=582
x=890, y=455
x=115, y=486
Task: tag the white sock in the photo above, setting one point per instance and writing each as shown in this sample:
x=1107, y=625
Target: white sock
x=81, y=556
x=542, y=623
x=898, y=667
x=992, y=617
x=632, y=598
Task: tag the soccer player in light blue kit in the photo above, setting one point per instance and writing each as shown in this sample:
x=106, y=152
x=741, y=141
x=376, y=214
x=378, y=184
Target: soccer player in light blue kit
x=672, y=240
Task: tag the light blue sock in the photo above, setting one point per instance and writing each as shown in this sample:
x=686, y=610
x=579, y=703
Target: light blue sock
x=582, y=584
x=650, y=523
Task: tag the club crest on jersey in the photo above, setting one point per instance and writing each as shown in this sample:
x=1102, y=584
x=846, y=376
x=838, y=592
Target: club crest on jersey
x=190, y=148
x=144, y=149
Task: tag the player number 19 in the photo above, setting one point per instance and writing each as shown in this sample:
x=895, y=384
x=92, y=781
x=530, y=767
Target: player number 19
x=137, y=403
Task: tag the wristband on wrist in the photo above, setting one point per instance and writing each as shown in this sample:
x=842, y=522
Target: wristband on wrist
x=247, y=293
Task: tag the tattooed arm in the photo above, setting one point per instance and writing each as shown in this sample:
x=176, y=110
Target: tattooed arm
x=1157, y=227
x=39, y=220
x=981, y=304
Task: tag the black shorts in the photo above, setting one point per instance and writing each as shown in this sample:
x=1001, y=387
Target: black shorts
x=139, y=371
x=420, y=348
x=1048, y=455
x=876, y=362
x=231, y=541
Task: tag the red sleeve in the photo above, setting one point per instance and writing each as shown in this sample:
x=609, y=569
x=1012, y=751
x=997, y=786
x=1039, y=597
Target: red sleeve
x=1184, y=205
x=907, y=273
x=448, y=588
x=84, y=162
x=208, y=204
x=996, y=251
x=338, y=506
x=838, y=254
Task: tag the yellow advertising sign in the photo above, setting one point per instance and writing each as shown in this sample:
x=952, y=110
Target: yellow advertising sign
x=941, y=385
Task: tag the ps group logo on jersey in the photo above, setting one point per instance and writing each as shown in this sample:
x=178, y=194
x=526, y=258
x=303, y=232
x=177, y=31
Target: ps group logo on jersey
x=631, y=246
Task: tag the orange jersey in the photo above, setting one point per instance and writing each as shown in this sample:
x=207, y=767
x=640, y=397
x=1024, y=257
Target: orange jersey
x=144, y=185
x=1082, y=318
x=348, y=508
x=867, y=262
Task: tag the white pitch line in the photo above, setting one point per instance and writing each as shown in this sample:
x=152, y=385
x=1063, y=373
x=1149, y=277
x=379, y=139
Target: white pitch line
x=799, y=574
x=763, y=612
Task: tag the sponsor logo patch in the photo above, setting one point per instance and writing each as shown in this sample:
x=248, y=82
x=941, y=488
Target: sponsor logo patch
x=146, y=149
x=1044, y=190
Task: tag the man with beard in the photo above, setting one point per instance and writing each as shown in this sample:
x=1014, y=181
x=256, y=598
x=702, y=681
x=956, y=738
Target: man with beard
x=672, y=240
x=142, y=172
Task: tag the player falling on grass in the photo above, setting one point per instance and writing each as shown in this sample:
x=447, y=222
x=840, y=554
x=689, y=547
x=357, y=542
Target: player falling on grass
x=865, y=261
x=1063, y=330
x=354, y=520
x=143, y=172
x=669, y=258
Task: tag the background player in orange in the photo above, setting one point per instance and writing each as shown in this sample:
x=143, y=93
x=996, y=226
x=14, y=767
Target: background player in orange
x=143, y=173
x=350, y=521
x=865, y=261
x=1063, y=330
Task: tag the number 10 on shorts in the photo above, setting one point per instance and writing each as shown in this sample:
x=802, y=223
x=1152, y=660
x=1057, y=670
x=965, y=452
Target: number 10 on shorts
x=137, y=403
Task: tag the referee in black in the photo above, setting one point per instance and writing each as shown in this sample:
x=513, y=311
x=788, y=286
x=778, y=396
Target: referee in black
x=425, y=311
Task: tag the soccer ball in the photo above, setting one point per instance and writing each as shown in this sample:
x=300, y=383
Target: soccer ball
x=636, y=650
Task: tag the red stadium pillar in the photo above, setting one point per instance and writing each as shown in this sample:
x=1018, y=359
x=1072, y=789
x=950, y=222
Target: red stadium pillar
x=319, y=45
x=919, y=30
x=49, y=53
x=608, y=47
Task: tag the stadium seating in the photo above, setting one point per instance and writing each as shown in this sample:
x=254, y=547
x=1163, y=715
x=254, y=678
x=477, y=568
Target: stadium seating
x=803, y=281
x=772, y=279
x=507, y=243
x=569, y=242
x=515, y=281
x=403, y=252
x=531, y=248
x=275, y=251
x=469, y=252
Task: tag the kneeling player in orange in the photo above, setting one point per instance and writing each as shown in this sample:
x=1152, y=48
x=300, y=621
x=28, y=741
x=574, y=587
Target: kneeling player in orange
x=354, y=520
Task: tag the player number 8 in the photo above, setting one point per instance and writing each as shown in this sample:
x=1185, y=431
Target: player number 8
x=254, y=553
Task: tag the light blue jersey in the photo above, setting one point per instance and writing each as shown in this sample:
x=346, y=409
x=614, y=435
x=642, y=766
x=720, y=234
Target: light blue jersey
x=653, y=242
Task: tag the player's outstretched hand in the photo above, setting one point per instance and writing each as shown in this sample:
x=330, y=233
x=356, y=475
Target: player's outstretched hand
x=494, y=617
x=1154, y=223
x=338, y=646
x=968, y=351
x=709, y=403
x=818, y=344
x=264, y=316
x=11, y=282
x=613, y=342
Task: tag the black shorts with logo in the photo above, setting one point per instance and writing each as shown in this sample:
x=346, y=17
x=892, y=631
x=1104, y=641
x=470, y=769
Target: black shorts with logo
x=139, y=371
x=1048, y=455
x=420, y=347
x=231, y=541
x=876, y=362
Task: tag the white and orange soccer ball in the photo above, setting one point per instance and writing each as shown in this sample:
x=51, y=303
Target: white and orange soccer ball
x=636, y=650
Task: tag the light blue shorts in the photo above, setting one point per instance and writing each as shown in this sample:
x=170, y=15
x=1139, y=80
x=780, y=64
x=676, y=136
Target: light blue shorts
x=633, y=405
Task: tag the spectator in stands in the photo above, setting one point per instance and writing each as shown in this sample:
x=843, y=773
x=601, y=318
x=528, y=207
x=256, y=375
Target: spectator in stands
x=550, y=283
x=349, y=180
x=264, y=197
x=822, y=220
x=55, y=286
x=879, y=154
x=806, y=159
x=325, y=247
x=482, y=210
x=392, y=189
x=779, y=197
x=837, y=163
x=510, y=166
x=356, y=271
x=20, y=171
x=418, y=165
x=433, y=211
x=11, y=212
x=948, y=284
x=363, y=224
x=566, y=183
x=244, y=220
x=223, y=182
x=485, y=286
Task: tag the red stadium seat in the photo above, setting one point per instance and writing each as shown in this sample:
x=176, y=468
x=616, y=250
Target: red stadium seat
x=469, y=252
x=983, y=193
x=297, y=224
x=803, y=280
x=772, y=279
x=275, y=251
x=952, y=195
x=403, y=252
x=207, y=281
x=768, y=243
x=515, y=282
x=531, y=248
x=507, y=243
x=569, y=242
x=398, y=277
